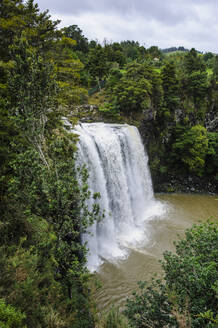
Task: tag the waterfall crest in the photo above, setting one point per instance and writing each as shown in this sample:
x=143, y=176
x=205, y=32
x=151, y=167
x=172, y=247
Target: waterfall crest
x=117, y=164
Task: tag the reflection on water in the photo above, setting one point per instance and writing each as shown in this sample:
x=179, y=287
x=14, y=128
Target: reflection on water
x=120, y=279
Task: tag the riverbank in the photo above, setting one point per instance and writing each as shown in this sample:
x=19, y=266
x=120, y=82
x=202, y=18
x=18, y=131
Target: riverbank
x=184, y=184
x=119, y=279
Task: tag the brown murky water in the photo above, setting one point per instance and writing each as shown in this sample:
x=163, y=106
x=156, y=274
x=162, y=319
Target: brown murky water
x=182, y=210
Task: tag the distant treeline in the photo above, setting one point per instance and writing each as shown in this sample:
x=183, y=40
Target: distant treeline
x=165, y=51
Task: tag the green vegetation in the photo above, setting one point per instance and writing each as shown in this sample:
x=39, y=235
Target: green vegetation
x=43, y=277
x=174, y=102
x=187, y=297
x=9, y=317
x=45, y=72
x=192, y=147
x=113, y=319
x=168, y=96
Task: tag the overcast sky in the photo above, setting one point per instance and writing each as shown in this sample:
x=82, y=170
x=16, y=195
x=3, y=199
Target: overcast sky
x=164, y=23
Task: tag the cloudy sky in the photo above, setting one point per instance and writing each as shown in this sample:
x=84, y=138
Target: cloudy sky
x=164, y=23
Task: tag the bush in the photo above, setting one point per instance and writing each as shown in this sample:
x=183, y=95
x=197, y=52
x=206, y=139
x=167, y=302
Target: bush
x=113, y=319
x=190, y=285
x=10, y=317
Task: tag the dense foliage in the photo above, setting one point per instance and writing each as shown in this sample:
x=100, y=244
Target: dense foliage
x=188, y=295
x=43, y=277
x=174, y=99
x=171, y=97
x=45, y=72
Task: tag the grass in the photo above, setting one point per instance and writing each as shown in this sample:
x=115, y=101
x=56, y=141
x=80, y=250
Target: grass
x=97, y=98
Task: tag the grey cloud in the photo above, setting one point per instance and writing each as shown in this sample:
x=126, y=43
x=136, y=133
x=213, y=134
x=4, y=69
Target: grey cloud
x=168, y=11
x=192, y=23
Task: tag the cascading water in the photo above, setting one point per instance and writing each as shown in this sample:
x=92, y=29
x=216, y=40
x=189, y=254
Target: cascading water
x=117, y=166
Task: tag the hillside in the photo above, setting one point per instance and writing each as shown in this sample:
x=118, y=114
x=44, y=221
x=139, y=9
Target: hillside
x=47, y=73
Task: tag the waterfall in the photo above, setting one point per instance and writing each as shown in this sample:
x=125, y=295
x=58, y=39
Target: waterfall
x=117, y=164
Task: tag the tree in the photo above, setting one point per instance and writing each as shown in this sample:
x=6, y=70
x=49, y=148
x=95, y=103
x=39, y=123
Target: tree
x=114, y=54
x=195, y=83
x=17, y=17
x=114, y=76
x=156, y=91
x=136, y=89
x=208, y=58
x=193, y=62
x=96, y=64
x=189, y=288
x=211, y=161
x=75, y=33
x=154, y=52
x=131, y=49
x=132, y=96
x=136, y=71
x=132, y=91
x=44, y=211
x=170, y=87
x=32, y=88
x=68, y=68
x=191, y=148
x=10, y=317
x=215, y=67
x=197, y=86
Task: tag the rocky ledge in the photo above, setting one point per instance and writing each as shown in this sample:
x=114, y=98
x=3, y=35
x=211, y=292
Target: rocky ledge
x=188, y=184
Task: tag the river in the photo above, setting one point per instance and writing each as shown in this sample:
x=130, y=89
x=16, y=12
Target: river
x=120, y=278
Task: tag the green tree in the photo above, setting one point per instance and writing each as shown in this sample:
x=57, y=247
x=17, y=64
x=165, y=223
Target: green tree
x=114, y=76
x=138, y=88
x=132, y=96
x=215, y=67
x=44, y=212
x=32, y=88
x=10, y=317
x=68, y=70
x=75, y=33
x=114, y=54
x=136, y=71
x=197, y=86
x=97, y=63
x=156, y=91
x=17, y=17
x=208, y=56
x=195, y=83
x=211, y=161
x=189, y=287
x=154, y=52
x=131, y=49
x=191, y=148
x=170, y=87
x=193, y=62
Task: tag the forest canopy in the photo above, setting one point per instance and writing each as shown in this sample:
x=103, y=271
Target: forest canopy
x=47, y=73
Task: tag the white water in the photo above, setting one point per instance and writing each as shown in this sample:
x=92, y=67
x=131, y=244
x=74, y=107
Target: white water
x=118, y=169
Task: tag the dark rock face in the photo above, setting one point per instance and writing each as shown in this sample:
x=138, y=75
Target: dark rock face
x=85, y=113
x=157, y=149
x=186, y=184
x=211, y=122
x=147, y=128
